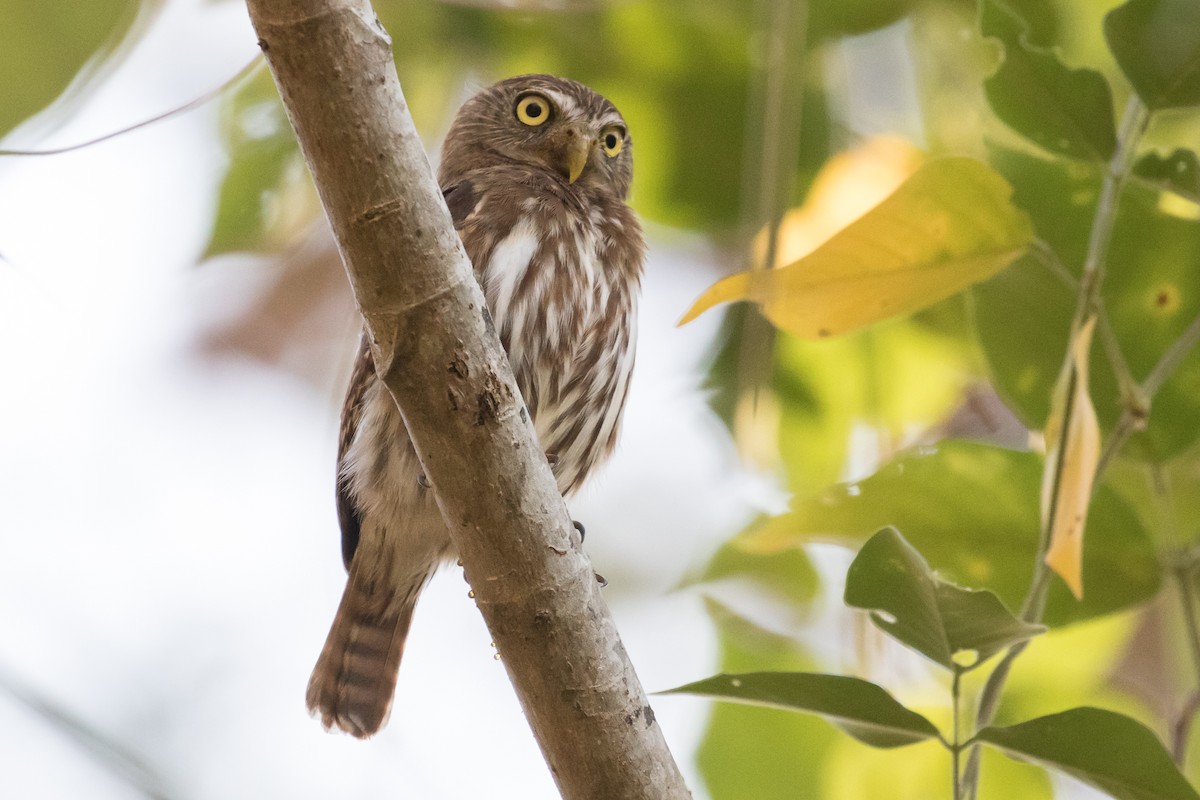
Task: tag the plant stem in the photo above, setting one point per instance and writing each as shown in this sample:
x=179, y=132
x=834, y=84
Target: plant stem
x=1187, y=598
x=767, y=190
x=956, y=748
x=1137, y=406
x=1133, y=124
x=1128, y=386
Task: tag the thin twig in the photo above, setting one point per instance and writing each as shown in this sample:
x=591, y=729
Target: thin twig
x=1171, y=359
x=212, y=94
x=1044, y=253
x=102, y=747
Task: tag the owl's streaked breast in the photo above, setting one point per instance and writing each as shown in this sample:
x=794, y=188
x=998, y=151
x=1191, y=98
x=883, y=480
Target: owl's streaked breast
x=564, y=306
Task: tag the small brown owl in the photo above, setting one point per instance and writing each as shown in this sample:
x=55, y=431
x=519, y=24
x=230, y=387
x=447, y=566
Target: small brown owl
x=535, y=170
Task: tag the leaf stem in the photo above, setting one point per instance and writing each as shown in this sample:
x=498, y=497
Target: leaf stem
x=1044, y=253
x=1171, y=359
x=1133, y=124
x=1183, y=570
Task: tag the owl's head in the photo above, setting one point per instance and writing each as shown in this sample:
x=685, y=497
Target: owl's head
x=553, y=125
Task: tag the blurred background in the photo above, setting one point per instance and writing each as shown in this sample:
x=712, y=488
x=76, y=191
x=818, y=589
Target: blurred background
x=176, y=332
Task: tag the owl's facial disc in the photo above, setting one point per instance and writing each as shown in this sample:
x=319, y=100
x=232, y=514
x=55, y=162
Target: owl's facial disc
x=561, y=126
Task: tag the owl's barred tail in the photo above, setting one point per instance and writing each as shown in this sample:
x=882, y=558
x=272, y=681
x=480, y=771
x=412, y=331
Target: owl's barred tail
x=352, y=685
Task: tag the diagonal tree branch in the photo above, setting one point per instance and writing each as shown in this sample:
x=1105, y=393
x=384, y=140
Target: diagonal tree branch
x=435, y=347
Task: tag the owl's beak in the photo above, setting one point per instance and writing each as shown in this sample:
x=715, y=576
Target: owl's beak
x=577, y=154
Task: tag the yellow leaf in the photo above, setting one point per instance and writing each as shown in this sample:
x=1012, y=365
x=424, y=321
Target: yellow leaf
x=948, y=226
x=1071, y=463
x=848, y=185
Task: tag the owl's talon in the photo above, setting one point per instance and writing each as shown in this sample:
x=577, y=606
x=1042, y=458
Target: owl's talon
x=552, y=459
x=600, y=579
x=579, y=527
x=422, y=481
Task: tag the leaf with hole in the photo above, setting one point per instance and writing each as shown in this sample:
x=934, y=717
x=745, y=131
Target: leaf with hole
x=1177, y=172
x=1068, y=111
x=952, y=626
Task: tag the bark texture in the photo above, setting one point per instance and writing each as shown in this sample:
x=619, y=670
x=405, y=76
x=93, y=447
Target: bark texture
x=436, y=348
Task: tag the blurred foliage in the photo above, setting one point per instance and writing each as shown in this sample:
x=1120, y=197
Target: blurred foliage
x=971, y=510
x=266, y=199
x=1046, y=122
x=854, y=422
x=42, y=54
x=1151, y=293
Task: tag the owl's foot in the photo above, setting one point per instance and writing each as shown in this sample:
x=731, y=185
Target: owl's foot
x=600, y=579
x=422, y=481
x=552, y=459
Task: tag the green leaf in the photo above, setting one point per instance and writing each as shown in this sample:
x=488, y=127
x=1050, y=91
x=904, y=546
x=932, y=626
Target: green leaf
x=1115, y=754
x=850, y=17
x=1157, y=44
x=948, y=226
x=1063, y=110
x=860, y=708
x=1178, y=172
x=255, y=190
x=972, y=511
x=44, y=48
x=935, y=618
x=651, y=60
x=1151, y=293
x=1040, y=19
x=789, y=574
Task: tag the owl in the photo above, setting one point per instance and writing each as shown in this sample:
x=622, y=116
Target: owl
x=536, y=172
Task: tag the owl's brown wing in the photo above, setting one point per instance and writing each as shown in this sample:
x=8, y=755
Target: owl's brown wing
x=462, y=200
x=348, y=513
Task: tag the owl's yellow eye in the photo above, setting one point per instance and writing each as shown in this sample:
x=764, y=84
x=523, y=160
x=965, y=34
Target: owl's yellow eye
x=533, y=109
x=612, y=140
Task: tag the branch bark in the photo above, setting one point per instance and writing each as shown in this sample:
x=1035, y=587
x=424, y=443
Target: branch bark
x=437, y=351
